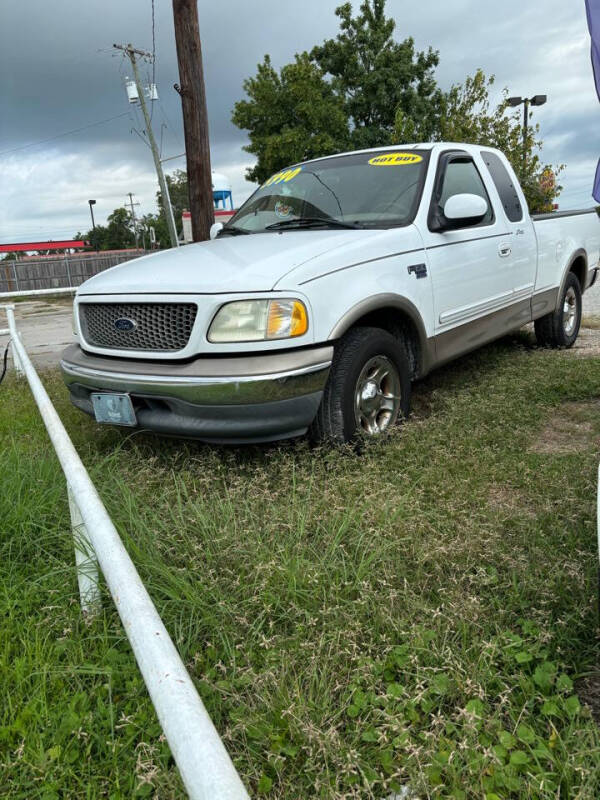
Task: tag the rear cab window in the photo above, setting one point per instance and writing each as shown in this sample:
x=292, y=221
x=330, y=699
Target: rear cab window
x=509, y=196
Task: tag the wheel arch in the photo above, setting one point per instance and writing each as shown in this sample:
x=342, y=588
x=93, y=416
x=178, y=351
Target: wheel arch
x=398, y=316
x=578, y=265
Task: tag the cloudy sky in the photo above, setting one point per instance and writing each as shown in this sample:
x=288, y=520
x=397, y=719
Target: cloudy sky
x=59, y=73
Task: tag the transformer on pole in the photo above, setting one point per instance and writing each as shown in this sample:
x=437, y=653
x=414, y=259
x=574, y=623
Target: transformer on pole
x=131, y=52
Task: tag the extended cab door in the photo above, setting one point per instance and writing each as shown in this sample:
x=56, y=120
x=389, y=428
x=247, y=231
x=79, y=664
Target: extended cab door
x=523, y=240
x=471, y=265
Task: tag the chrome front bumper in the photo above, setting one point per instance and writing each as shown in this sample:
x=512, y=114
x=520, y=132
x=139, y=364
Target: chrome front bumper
x=237, y=398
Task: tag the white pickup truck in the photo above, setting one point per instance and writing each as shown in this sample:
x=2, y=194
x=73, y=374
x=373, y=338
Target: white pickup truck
x=335, y=285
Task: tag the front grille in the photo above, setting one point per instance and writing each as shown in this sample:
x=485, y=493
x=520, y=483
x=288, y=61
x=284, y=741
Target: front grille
x=156, y=326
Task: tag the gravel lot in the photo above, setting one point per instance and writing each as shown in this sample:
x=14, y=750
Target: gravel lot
x=45, y=328
x=591, y=301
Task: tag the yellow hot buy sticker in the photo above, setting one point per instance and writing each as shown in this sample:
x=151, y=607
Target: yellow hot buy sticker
x=283, y=177
x=395, y=159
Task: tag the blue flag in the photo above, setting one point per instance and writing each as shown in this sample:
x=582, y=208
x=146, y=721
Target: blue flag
x=593, y=17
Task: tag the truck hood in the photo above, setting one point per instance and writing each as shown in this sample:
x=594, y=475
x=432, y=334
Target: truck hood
x=252, y=263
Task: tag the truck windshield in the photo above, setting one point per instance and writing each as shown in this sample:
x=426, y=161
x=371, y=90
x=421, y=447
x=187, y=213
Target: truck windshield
x=378, y=189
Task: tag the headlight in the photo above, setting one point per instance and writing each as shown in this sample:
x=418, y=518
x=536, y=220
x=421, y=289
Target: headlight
x=74, y=321
x=257, y=320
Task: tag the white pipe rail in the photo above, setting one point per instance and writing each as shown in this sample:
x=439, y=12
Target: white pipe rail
x=38, y=292
x=204, y=764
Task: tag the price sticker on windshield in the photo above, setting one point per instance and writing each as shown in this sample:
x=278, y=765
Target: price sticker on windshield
x=284, y=176
x=395, y=159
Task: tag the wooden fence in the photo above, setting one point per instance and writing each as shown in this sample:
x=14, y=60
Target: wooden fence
x=59, y=272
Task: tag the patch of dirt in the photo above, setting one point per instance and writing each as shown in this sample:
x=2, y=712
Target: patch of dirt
x=570, y=429
x=34, y=308
x=588, y=690
x=588, y=343
x=509, y=501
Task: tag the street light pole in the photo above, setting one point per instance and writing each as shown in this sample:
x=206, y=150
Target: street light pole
x=525, y=126
x=536, y=100
x=92, y=204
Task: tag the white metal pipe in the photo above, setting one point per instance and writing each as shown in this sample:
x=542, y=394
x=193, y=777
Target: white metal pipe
x=16, y=360
x=205, y=766
x=87, y=563
x=38, y=292
x=4, y=332
x=20, y=371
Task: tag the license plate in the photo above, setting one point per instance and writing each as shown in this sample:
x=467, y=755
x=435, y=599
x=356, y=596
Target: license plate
x=114, y=409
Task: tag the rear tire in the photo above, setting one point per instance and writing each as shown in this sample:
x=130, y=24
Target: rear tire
x=560, y=328
x=368, y=389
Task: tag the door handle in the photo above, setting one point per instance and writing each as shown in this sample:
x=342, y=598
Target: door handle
x=504, y=250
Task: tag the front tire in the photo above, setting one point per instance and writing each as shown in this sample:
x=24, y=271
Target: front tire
x=560, y=328
x=368, y=389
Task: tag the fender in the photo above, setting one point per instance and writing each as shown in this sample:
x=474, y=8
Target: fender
x=574, y=256
x=387, y=300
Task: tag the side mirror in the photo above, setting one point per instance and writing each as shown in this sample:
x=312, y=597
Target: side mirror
x=215, y=228
x=462, y=210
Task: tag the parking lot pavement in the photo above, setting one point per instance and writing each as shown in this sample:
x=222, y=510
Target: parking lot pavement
x=45, y=328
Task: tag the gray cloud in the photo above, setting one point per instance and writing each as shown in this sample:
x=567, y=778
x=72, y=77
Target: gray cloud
x=58, y=72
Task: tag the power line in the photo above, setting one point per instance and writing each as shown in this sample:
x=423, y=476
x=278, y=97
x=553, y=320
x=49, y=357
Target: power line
x=153, y=64
x=66, y=133
x=170, y=127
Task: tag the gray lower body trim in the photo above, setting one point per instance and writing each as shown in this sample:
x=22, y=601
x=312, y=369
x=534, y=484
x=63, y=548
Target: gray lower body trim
x=544, y=302
x=239, y=366
x=464, y=338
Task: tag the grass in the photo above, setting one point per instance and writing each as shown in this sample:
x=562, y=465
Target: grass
x=591, y=322
x=420, y=614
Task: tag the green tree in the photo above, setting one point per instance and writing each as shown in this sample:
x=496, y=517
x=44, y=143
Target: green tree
x=119, y=230
x=290, y=116
x=375, y=76
x=467, y=117
x=177, y=184
x=161, y=231
x=343, y=95
x=117, y=234
x=97, y=237
x=365, y=89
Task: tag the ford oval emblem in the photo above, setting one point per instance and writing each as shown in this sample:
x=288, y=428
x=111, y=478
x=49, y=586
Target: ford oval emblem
x=125, y=324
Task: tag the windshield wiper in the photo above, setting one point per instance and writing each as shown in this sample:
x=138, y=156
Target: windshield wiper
x=232, y=230
x=310, y=222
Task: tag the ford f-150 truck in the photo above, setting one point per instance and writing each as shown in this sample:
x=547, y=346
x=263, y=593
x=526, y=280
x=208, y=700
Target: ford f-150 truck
x=336, y=284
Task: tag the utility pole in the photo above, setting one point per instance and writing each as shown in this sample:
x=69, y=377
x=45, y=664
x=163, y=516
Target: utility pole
x=195, y=117
x=164, y=189
x=133, y=219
